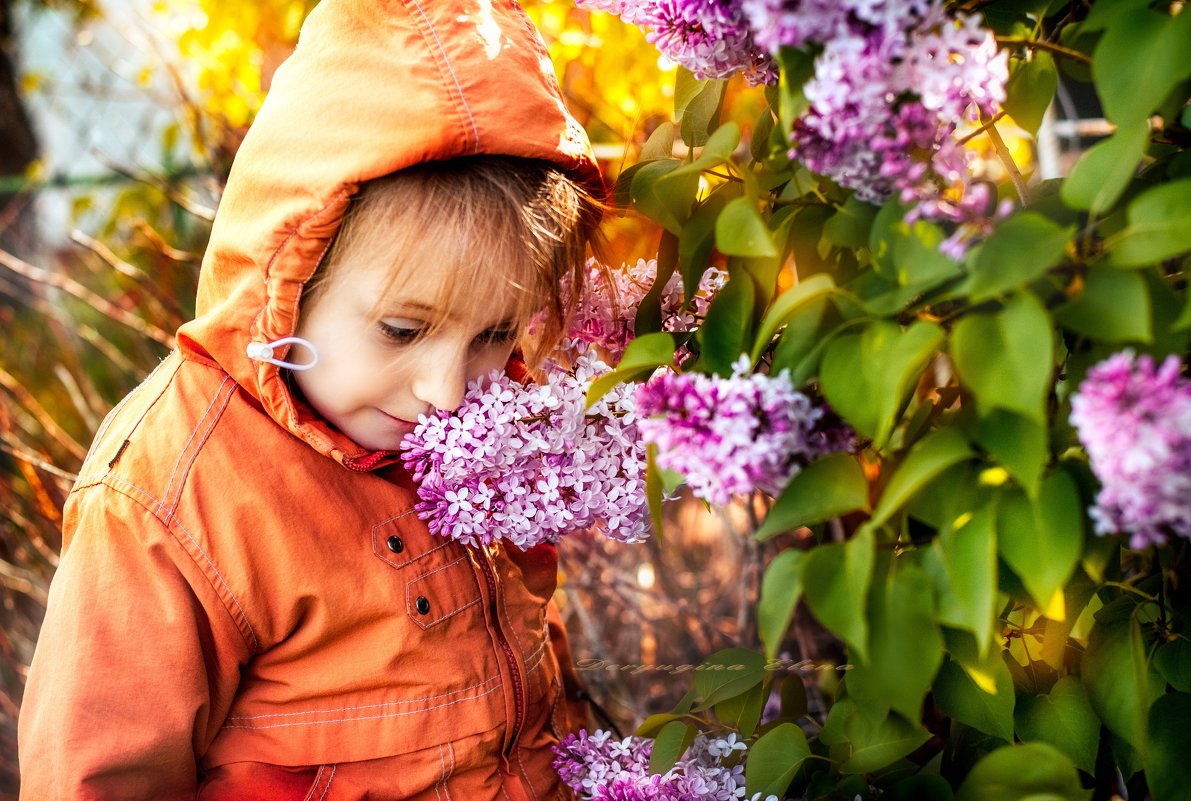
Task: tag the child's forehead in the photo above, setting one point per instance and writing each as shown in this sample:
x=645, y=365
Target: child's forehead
x=442, y=287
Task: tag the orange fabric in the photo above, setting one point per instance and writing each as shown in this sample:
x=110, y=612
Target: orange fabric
x=240, y=614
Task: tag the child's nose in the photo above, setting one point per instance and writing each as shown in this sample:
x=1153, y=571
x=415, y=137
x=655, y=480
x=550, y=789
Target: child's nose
x=441, y=383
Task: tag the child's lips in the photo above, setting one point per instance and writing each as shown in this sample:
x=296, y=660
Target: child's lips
x=408, y=424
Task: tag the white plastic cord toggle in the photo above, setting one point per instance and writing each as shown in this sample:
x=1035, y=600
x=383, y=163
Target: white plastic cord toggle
x=263, y=352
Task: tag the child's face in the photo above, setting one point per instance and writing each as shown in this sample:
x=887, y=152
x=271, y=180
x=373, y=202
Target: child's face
x=374, y=377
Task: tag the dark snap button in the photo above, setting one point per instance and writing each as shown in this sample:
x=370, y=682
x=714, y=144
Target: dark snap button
x=423, y=605
x=395, y=544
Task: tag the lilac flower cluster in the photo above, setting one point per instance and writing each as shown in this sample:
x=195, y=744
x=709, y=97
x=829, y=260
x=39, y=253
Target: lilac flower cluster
x=605, y=314
x=600, y=768
x=711, y=38
x=1134, y=420
x=891, y=81
x=733, y=435
x=529, y=464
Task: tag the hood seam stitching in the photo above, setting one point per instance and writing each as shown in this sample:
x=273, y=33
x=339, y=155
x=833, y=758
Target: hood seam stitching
x=458, y=99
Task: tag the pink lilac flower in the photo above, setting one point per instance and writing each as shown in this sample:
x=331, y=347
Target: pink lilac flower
x=529, y=464
x=605, y=315
x=1134, y=420
x=891, y=82
x=732, y=435
x=711, y=38
x=600, y=768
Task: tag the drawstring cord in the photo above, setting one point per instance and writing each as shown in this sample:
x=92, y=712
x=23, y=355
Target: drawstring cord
x=263, y=352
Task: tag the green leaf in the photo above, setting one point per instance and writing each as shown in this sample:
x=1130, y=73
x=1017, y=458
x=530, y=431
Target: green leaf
x=1113, y=307
x=726, y=674
x=666, y=202
x=701, y=113
x=909, y=254
x=774, y=759
x=867, y=739
x=1019, y=444
x=866, y=376
x=1063, y=718
x=1030, y=772
x=660, y=144
x=695, y=243
x=642, y=356
x=1168, y=770
x=1007, y=358
x=960, y=698
x=835, y=579
x=968, y=553
x=936, y=452
x=654, y=487
x=654, y=723
x=831, y=486
x=1022, y=249
x=743, y=712
x=803, y=340
x=740, y=231
x=1140, y=59
x=1031, y=89
x=1042, y=540
x=850, y=225
x=920, y=787
x=686, y=88
x=1104, y=171
x=786, y=305
x=649, y=312
x=1159, y=226
x=716, y=150
x=670, y=743
x=725, y=329
x=1121, y=684
x=905, y=646
x=797, y=67
x=1173, y=661
x=781, y=590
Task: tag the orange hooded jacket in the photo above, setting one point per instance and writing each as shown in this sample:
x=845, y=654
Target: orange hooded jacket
x=246, y=606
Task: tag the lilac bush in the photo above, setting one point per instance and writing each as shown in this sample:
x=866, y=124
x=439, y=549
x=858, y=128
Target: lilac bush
x=528, y=464
x=732, y=435
x=1134, y=420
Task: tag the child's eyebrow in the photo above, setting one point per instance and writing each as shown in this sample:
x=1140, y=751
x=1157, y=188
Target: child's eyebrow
x=416, y=305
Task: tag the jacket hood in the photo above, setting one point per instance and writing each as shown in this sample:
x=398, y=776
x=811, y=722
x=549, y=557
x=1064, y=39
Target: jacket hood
x=373, y=86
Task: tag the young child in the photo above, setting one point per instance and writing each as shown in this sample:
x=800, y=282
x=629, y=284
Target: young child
x=246, y=606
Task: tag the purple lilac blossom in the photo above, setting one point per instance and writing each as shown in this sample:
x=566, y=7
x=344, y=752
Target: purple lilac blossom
x=1134, y=420
x=732, y=435
x=891, y=83
x=600, y=768
x=711, y=38
x=529, y=464
x=605, y=315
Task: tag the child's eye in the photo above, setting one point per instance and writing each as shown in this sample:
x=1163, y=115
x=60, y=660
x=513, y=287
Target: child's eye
x=497, y=336
x=400, y=333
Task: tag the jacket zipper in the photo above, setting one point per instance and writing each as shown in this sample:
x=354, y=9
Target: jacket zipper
x=510, y=654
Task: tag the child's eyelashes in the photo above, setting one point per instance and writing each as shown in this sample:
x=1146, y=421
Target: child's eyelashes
x=400, y=334
x=405, y=335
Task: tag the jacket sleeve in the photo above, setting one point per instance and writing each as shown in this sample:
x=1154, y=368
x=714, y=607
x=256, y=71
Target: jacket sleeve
x=134, y=669
x=574, y=694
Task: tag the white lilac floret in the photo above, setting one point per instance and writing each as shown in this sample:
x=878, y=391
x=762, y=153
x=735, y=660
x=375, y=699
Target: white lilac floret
x=1134, y=420
x=729, y=436
x=529, y=464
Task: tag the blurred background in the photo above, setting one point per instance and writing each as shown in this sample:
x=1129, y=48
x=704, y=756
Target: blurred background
x=118, y=124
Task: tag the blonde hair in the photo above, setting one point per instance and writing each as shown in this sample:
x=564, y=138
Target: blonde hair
x=473, y=213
